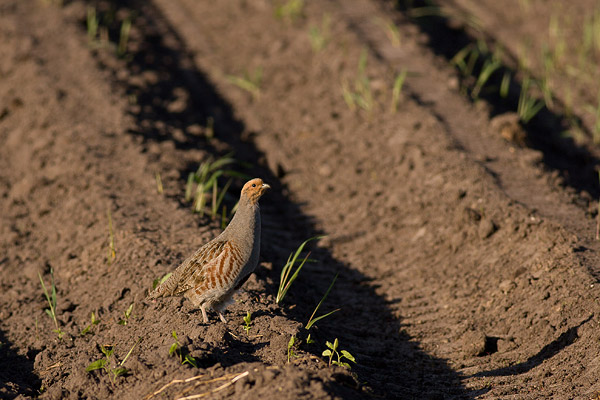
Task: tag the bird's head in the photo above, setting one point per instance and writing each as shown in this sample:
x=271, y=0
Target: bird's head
x=253, y=189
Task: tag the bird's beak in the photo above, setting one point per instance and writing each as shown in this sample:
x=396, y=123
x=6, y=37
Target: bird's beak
x=265, y=186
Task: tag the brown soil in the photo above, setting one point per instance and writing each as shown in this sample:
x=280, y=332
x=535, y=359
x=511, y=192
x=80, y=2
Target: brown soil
x=466, y=263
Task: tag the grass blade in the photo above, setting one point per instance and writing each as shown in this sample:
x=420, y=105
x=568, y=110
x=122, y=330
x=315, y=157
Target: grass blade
x=312, y=321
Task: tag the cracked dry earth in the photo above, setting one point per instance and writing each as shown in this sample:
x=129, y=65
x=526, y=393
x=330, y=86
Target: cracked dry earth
x=466, y=265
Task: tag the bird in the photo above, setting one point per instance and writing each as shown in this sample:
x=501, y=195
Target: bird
x=212, y=275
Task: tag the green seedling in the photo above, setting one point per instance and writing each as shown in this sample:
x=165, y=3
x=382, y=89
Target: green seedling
x=319, y=35
x=51, y=299
x=181, y=353
x=309, y=340
x=157, y=281
x=106, y=363
x=348, y=95
x=124, y=37
x=250, y=82
x=217, y=198
x=546, y=92
x=112, y=253
x=333, y=351
x=159, y=185
x=206, y=179
x=528, y=106
x=360, y=93
x=391, y=30
x=210, y=128
x=87, y=329
x=397, y=90
x=98, y=31
x=312, y=320
x=92, y=25
x=290, y=349
x=189, y=186
x=291, y=10
x=247, y=322
x=490, y=65
x=523, y=55
x=590, y=41
x=224, y=217
x=127, y=315
x=465, y=60
x=505, y=85
x=287, y=277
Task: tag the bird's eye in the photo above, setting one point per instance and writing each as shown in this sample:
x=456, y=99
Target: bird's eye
x=254, y=185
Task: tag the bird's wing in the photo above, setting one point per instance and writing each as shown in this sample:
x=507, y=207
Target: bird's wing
x=191, y=271
x=219, y=272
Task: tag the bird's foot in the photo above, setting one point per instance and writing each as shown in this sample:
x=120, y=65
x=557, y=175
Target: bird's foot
x=204, y=317
x=222, y=318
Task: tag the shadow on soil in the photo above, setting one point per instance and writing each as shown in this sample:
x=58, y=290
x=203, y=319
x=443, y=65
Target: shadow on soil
x=16, y=372
x=566, y=339
x=576, y=164
x=388, y=362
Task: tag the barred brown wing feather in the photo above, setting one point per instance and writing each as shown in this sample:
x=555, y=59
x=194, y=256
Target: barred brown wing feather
x=190, y=272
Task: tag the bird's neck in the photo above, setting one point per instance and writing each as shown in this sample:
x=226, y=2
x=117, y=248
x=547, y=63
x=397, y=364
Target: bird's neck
x=246, y=216
x=244, y=229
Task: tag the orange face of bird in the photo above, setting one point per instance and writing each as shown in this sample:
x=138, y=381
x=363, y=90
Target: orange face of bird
x=254, y=188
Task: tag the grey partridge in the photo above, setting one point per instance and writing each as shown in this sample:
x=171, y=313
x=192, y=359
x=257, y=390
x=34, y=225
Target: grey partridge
x=212, y=275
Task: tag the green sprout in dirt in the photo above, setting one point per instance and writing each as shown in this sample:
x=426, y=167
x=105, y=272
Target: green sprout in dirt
x=359, y=94
x=320, y=35
x=287, y=277
x=157, y=281
x=397, y=90
x=291, y=10
x=250, y=82
x=159, y=184
x=127, y=315
x=124, y=37
x=112, y=253
x=490, y=65
x=391, y=30
x=210, y=128
x=505, y=85
x=98, y=32
x=312, y=320
x=206, y=181
x=333, y=351
x=92, y=25
x=51, y=298
x=528, y=106
x=88, y=328
x=247, y=322
x=290, y=348
x=465, y=59
x=181, y=353
x=106, y=363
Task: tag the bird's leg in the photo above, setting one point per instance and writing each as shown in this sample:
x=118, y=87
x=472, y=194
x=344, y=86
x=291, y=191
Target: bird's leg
x=222, y=318
x=204, y=317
